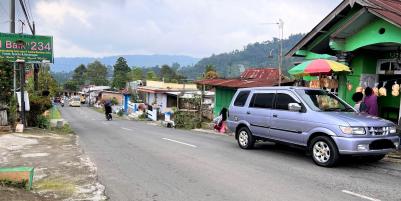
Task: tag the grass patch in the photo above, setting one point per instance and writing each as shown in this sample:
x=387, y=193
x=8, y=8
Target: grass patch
x=65, y=187
x=15, y=184
x=66, y=129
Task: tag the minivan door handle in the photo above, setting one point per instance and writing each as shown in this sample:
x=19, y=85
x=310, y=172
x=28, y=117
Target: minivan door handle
x=275, y=116
x=248, y=112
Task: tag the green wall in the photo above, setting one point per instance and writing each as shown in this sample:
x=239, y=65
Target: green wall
x=223, y=98
x=370, y=35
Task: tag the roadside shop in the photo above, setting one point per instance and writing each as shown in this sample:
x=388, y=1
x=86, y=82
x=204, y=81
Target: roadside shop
x=366, y=36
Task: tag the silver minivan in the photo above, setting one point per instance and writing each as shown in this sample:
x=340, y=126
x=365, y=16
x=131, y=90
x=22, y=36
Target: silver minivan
x=312, y=118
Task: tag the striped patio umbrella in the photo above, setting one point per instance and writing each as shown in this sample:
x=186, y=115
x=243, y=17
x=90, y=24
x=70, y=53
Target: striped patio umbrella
x=318, y=67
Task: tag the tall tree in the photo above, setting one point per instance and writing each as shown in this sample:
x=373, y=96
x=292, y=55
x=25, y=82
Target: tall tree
x=97, y=73
x=151, y=75
x=166, y=73
x=79, y=75
x=137, y=73
x=46, y=82
x=121, y=73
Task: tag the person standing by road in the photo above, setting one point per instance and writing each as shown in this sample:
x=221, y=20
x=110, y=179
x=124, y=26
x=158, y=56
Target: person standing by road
x=371, y=102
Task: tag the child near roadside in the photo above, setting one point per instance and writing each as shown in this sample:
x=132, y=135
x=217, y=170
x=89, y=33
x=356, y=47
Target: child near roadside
x=360, y=106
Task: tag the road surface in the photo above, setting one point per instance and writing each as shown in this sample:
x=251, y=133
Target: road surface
x=139, y=161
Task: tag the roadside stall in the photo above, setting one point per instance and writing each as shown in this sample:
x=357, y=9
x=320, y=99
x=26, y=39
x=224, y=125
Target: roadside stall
x=320, y=73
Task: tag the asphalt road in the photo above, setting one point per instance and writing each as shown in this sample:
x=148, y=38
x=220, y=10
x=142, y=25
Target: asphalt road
x=139, y=161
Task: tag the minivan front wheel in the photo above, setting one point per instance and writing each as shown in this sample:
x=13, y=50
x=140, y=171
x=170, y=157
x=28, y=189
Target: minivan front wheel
x=324, y=152
x=245, y=138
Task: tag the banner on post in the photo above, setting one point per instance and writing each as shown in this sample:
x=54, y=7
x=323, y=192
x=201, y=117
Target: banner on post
x=30, y=48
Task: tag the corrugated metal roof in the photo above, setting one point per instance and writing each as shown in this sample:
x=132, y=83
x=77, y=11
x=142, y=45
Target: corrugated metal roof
x=260, y=73
x=251, y=77
x=387, y=9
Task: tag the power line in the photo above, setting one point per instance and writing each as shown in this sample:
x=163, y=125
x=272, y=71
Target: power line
x=26, y=16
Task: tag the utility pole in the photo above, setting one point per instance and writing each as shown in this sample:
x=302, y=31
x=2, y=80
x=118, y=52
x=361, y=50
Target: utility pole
x=21, y=66
x=280, y=24
x=12, y=30
x=280, y=63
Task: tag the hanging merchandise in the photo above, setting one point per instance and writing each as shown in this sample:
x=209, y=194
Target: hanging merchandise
x=314, y=84
x=382, y=90
x=359, y=89
x=376, y=89
x=349, y=86
x=395, y=89
x=325, y=82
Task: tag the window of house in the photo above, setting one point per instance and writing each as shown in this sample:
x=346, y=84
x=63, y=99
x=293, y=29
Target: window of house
x=241, y=98
x=282, y=101
x=388, y=66
x=262, y=100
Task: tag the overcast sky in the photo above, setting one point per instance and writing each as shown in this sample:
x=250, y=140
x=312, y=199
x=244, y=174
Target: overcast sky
x=197, y=28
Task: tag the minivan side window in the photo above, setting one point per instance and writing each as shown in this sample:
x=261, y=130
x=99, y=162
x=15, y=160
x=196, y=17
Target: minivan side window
x=241, y=98
x=282, y=101
x=262, y=100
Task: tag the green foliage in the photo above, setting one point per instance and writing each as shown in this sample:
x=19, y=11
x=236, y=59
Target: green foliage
x=79, y=75
x=71, y=85
x=97, y=74
x=186, y=120
x=12, y=111
x=120, y=112
x=6, y=82
x=137, y=73
x=121, y=73
x=151, y=75
x=14, y=184
x=253, y=55
x=43, y=122
x=46, y=82
x=62, y=77
x=38, y=105
x=114, y=101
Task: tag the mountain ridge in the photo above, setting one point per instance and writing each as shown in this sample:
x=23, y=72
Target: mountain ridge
x=68, y=64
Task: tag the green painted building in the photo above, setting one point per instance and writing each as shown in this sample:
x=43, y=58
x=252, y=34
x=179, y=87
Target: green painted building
x=365, y=35
x=251, y=77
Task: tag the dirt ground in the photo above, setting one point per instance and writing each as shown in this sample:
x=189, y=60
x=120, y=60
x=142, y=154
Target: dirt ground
x=62, y=170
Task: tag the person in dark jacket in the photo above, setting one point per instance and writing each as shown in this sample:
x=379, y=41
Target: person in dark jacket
x=107, y=109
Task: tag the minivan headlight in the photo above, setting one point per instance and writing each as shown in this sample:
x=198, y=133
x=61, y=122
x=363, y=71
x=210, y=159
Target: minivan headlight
x=353, y=130
x=393, y=129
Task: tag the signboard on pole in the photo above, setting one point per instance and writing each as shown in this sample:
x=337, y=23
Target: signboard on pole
x=30, y=48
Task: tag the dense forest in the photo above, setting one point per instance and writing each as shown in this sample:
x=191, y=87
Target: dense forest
x=264, y=54
x=259, y=54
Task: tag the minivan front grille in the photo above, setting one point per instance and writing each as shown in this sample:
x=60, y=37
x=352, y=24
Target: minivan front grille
x=379, y=131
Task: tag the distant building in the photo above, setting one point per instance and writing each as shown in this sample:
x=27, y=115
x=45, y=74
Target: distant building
x=164, y=95
x=251, y=77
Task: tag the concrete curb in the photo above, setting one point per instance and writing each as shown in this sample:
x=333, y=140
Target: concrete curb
x=211, y=132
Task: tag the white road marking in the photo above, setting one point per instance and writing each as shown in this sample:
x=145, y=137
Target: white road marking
x=191, y=145
x=359, y=195
x=105, y=123
x=128, y=129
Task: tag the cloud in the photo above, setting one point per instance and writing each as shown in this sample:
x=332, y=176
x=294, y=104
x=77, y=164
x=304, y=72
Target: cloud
x=191, y=27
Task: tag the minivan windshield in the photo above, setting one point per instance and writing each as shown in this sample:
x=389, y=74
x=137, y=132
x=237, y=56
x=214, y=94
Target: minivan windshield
x=320, y=100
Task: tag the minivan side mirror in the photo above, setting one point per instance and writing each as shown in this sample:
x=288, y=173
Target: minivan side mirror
x=295, y=107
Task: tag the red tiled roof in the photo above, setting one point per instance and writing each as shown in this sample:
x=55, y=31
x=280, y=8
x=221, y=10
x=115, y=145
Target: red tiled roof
x=387, y=9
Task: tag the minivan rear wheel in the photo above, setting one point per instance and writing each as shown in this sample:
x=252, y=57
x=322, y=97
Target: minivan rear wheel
x=245, y=138
x=324, y=152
